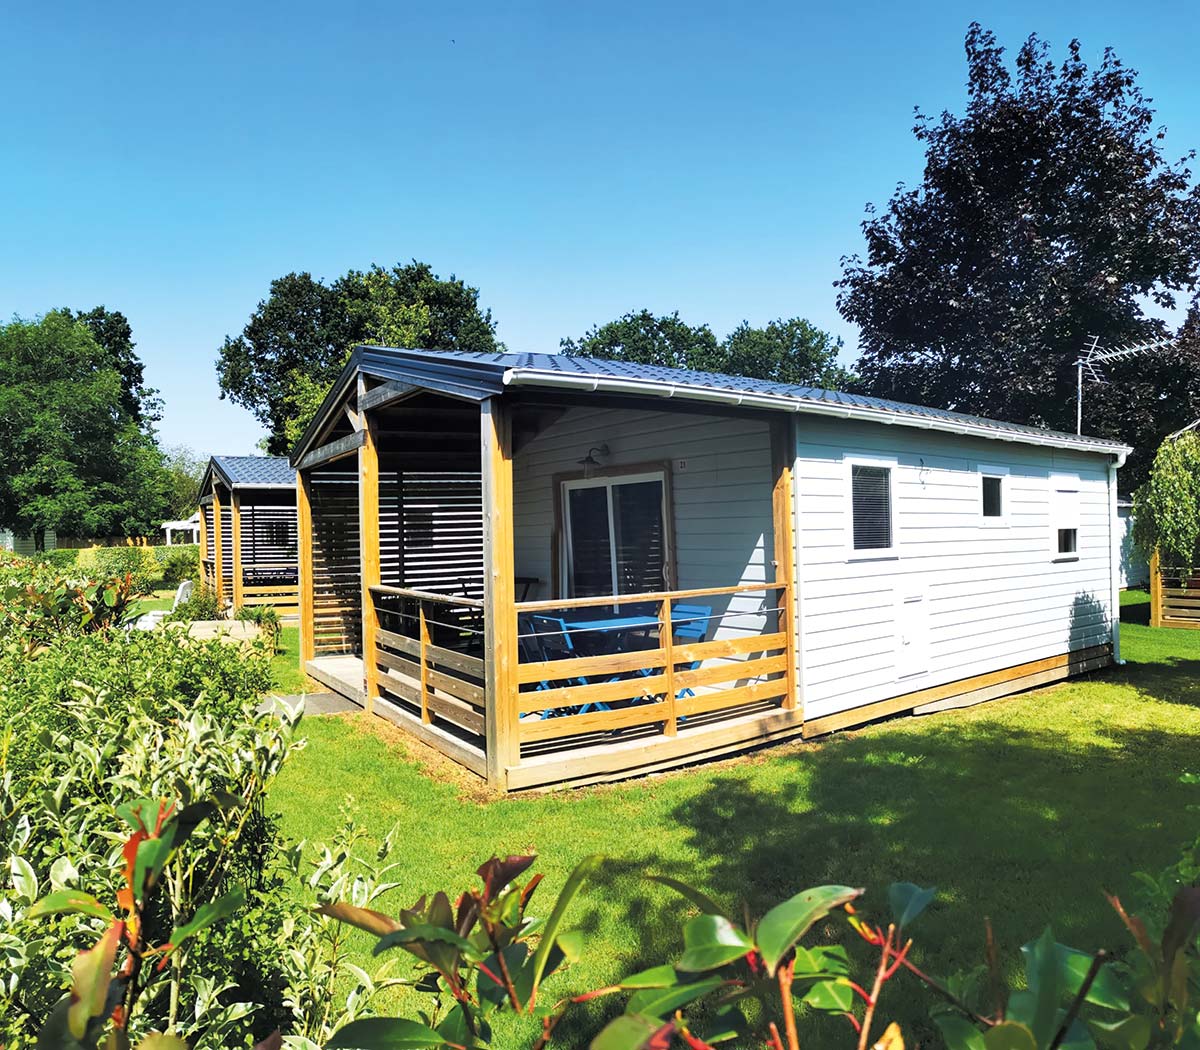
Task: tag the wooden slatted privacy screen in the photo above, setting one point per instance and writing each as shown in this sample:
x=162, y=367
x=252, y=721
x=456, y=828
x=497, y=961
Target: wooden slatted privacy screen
x=391, y=545
x=430, y=658
x=337, y=603
x=268, y=543
x=662, y=688
x=269, y=546
x=207, y=512
x=437, y=519
x=226, y=547
x=1174, y=596
x=206, y=568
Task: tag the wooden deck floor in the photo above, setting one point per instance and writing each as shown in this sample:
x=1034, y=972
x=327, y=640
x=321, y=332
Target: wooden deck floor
x=343, y=674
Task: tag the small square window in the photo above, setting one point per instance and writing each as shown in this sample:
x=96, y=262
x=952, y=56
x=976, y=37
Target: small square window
x=993, y=497
x=1068, y=541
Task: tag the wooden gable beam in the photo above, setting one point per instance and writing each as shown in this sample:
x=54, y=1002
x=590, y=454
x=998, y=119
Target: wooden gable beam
x=384, y=394
x=343, y=446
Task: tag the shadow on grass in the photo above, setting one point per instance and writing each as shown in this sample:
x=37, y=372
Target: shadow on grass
x=1025, y=825
x=1137, y=613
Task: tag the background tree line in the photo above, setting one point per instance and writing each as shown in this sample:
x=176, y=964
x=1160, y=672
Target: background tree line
x=1047, y=212
x=77, y=441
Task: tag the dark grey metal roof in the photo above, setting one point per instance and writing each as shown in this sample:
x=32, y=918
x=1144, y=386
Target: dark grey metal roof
x=526, y=367
x=480, y=375
x=256, y=472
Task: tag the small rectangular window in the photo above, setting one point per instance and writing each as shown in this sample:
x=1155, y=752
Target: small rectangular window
x=1064, y=517
x=993, y=497
x=871, y=500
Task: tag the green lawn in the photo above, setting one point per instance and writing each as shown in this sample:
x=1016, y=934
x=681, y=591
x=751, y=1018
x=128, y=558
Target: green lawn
x=159, y=598
x=1026, y=810
x=286, y=677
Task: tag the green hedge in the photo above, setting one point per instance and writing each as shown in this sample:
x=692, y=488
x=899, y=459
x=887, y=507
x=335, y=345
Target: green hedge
x=164, y=554
x=117, y=561
x=62, y=558
x=178, y=563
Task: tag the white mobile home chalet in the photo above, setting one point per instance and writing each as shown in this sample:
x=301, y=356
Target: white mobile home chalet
x=560, y=570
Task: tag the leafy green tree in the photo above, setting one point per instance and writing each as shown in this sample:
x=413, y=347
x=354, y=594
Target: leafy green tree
x=1167, y=507
x=1047, y=212
x=184, y=471
x=113, y=333
x=642, y=338
x=785, y=351
x=74, y=458
x=299, y=337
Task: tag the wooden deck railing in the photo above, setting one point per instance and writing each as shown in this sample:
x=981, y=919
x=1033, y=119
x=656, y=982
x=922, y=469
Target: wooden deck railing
x=284, y=596
x=655, y=679
x=271, y=583
x=429, y=653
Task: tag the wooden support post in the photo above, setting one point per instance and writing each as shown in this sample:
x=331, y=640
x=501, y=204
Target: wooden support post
x=424, y=658
x=783, y=503
x=218, y=561
x=236, y=515
x=500, y=610
x=666, y=641
x=304, y=566
x=368, y=539
x=203, y=547
x=1156, y=592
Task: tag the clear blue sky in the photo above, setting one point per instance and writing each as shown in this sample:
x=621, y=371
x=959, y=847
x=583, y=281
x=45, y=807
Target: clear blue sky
x=573, y=161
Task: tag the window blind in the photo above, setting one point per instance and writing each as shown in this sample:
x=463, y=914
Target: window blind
x=871, y=507
x=638, y=523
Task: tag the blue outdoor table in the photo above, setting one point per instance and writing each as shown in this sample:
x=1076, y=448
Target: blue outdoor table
x=605, y=633
x=611, y=624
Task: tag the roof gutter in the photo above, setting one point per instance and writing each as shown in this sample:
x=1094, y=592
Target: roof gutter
x=648, y=388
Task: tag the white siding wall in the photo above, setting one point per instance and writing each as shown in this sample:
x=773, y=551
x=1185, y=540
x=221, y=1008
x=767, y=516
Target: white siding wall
x=960, y=597
x=25, y=545
x=721, y=504
x=1135, y=569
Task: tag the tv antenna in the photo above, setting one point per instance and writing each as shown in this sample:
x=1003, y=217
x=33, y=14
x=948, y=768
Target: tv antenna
x=1093, y=357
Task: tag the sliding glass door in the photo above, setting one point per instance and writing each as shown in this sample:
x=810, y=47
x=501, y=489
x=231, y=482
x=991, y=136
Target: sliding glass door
x=615, y=535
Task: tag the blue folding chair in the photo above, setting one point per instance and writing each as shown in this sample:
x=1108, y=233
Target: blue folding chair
x=550, y=638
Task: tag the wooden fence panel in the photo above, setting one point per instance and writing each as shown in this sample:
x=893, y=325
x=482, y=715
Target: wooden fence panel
x=337, y=603
x=1174, y=596
x=661, y=688
x=440, y=680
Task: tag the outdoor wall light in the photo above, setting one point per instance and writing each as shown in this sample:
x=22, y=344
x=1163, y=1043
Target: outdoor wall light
x=590, y=462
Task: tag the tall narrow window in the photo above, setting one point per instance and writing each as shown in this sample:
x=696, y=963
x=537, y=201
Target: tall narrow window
x=615, y=536
x=871, y=506
x=993, y=497
x=1064, y=517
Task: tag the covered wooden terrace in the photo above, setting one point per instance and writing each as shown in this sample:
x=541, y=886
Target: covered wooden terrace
x=422, y=599
x=248, y=537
